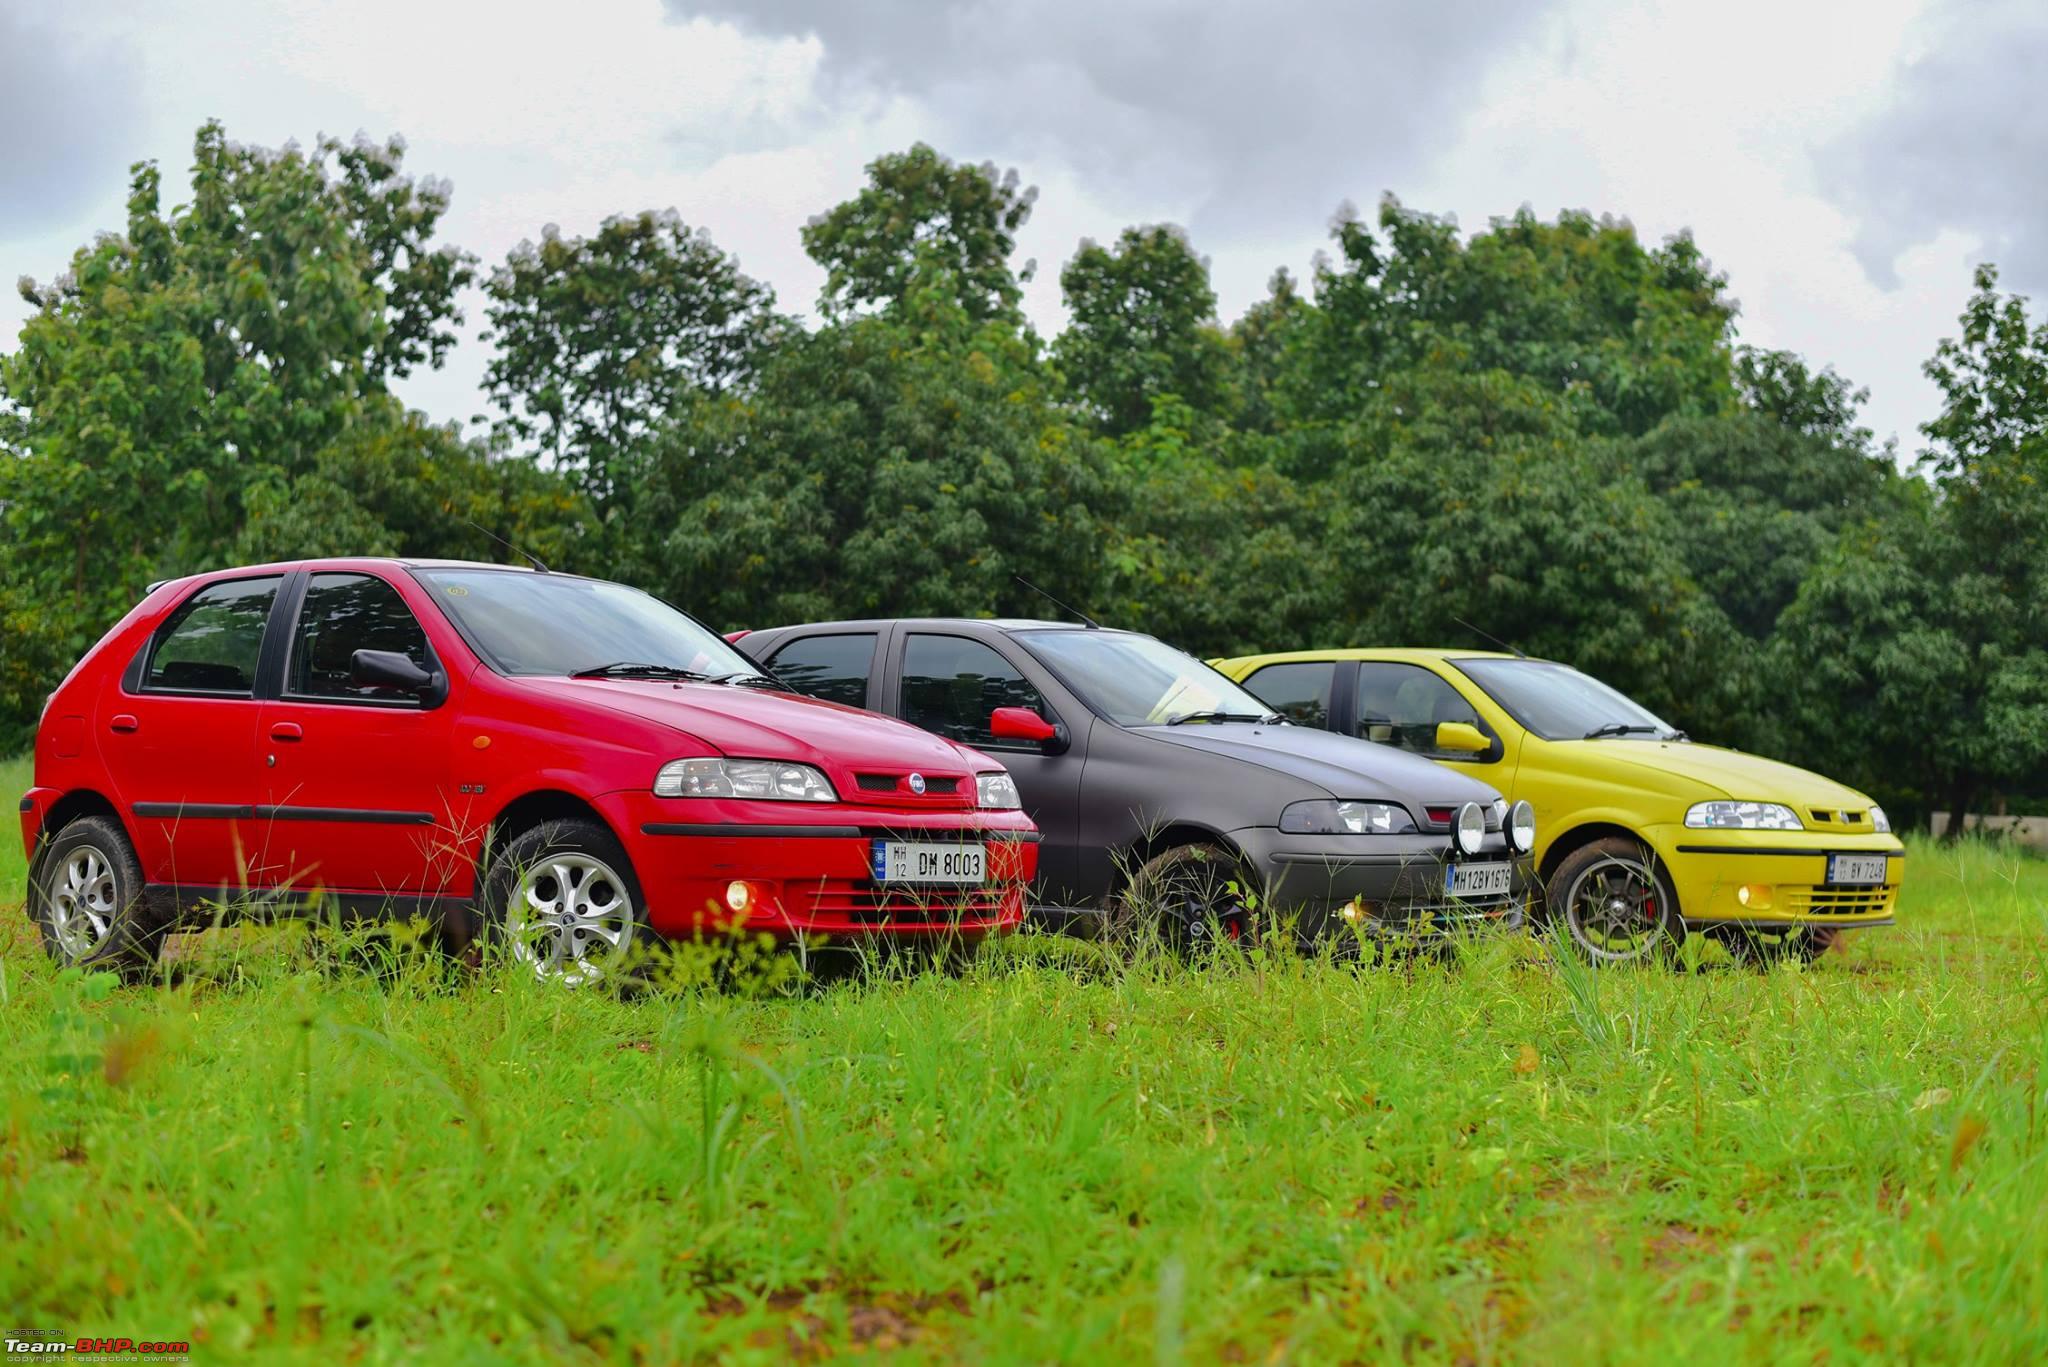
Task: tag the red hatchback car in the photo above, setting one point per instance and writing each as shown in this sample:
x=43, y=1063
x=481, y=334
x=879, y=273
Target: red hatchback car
x=578, y=763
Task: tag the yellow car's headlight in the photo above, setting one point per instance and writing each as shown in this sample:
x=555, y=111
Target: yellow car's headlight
x=1879, y=822
x=1742, y=816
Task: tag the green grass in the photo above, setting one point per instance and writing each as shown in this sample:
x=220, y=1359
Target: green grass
x=287, y=1153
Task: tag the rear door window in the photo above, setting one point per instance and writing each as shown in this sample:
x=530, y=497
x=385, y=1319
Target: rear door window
x=1299, y=691
x=212, y=642
x=952, y=684
x=834, y=667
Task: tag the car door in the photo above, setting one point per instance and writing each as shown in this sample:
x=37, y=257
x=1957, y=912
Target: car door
x=1401, y=704
x=179, y=738
x=357, y=789
x=949, y=684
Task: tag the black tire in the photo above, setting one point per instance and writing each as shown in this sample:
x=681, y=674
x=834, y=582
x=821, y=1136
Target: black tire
x=1762, y=948
x=568, y=863
x=1194, y=894
x=85, y=895
x=1615, y=903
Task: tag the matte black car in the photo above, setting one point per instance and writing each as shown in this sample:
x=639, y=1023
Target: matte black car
x=1156, y=780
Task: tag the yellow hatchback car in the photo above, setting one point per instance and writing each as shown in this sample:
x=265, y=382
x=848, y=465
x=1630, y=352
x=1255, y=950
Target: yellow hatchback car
x=1644, y=834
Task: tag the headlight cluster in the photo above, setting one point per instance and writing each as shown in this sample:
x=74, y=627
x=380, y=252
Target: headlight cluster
x=767, y=779
x=1326, y=817
x=1742, y=816
x=1879, y=822
x=997, y=790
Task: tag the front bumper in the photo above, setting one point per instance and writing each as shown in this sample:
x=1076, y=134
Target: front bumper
x=1776, y=878
x=808, y=871
x=1380, y=885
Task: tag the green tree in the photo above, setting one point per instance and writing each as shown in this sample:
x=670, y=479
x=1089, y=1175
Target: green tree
x=599, y=339
x=215, y=368
x=1759, y=491
x=1141, y=327
x=921, y=217
x=903, y=464
x=1920, y=644
x=1471, y=497
x=1580, y=307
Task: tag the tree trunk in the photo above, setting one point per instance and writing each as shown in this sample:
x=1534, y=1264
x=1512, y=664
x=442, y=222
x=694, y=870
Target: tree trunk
x=1961, y=793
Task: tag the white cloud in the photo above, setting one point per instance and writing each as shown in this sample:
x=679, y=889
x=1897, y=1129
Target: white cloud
x=1247, y=123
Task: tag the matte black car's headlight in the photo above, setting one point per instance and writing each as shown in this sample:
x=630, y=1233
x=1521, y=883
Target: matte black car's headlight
x=1326, y=817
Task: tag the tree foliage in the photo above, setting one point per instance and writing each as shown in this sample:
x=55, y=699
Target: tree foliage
x=598, y=340
x=921, y=218
x=1544, y=432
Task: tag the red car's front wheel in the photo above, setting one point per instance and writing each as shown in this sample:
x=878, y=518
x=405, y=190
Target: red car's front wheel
x=561, y=897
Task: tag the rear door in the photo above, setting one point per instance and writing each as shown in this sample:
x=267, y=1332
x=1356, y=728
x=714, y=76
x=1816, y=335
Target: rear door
x=180, y=738
x=356, y=777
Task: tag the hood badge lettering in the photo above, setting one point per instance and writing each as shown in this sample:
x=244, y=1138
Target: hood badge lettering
x=917, y=784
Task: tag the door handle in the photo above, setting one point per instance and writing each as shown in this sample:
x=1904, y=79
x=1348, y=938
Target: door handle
x=286, y=730
x=123, y=723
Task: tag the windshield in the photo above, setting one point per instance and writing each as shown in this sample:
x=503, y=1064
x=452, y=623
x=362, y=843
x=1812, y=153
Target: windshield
x=1559, y=703
x=527, y=623
x=1137, y=681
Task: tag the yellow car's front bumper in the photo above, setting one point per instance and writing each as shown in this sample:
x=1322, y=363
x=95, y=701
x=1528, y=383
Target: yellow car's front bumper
x=1776, y=877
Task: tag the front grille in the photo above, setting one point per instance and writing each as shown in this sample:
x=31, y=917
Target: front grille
x=1829, y=819
x=864, y=903
x=1826, y=901
x=891, y=783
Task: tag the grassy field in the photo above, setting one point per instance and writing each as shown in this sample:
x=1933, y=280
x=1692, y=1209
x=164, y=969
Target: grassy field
x=290, y=1151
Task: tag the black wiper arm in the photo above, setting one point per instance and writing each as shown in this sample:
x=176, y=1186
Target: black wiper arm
x=634, y=669
x=751, y=681
x=1618, y=728
x=1186, y=717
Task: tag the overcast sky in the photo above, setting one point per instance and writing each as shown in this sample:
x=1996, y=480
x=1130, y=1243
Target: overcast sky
x=1844, y=165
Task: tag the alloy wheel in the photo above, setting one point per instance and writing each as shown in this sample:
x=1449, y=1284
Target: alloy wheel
x=1615, y=911
x=571, y=918
x=81, y=896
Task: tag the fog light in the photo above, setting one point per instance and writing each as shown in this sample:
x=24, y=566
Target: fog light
x=1755, y=896
x=738, y=896
x=1355, y=910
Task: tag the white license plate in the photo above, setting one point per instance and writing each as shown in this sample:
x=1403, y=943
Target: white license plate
x=915, y=861
x=1856, y=868
x=1478, y=880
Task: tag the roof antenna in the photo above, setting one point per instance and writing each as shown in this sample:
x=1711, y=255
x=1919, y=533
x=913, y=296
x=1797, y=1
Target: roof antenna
x=1086, y=620
x=523, y=554
x=1515, y=651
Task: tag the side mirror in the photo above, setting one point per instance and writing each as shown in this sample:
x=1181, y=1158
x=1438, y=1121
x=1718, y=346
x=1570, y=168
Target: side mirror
x=1462, y=737
x=389, y=669
x=1021, y=723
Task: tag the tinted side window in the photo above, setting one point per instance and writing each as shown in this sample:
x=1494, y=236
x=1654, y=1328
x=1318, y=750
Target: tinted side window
x=1401, y=705
x=1299, y=692
x=211, y=643
x=834, y=668
x=344, y=613
x=951, y=684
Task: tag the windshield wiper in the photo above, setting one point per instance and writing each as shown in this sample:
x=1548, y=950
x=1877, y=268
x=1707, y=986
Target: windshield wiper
x=634, y=669
x=751, y=681
x=1620, y=728
x=1185, y=717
